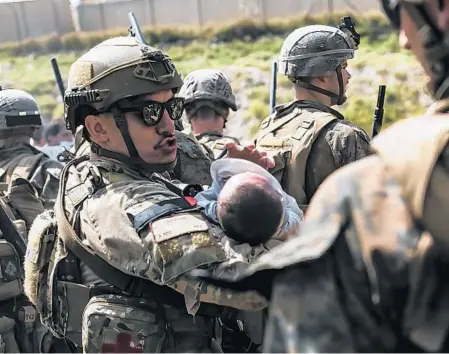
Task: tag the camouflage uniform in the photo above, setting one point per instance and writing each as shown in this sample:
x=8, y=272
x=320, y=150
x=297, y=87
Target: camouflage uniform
x=17, y=157
x=208, y=87
x=309, y=140
x=132, y=229
x=364, y=256
x=193, y=161
x=29, y=180
x=368, y=272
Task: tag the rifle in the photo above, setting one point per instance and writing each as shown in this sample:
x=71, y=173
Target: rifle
x=9, y=230
x=274, y=69
x=379, y=111
x=134, y=31
x=58, y=77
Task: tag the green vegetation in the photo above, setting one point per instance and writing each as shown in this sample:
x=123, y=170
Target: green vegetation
x=244, y=52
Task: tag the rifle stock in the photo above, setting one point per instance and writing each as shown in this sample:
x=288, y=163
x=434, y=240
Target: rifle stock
x=379, y=111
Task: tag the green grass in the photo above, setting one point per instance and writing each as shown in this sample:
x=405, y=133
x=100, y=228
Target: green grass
x=247, y=64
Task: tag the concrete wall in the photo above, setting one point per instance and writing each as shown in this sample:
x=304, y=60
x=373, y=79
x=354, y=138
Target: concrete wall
x=25, y=19
x=113, y=13
x=30, y=19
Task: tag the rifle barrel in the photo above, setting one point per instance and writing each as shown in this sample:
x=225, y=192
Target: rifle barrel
x=135, y=26
x=58, y=77
x=379, y=111
x=274, y=70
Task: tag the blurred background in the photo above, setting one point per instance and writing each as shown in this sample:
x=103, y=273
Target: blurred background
x=240, y=37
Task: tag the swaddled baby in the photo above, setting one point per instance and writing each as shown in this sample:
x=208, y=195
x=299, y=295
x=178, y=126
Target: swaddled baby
x=249, y=203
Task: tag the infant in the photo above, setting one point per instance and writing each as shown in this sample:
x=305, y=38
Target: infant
x=249, y=203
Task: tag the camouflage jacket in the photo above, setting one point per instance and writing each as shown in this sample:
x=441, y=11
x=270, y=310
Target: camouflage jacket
x=364, y=276
x=193, y=161
x=25, y=161
x=308, y=142
x=121, y=214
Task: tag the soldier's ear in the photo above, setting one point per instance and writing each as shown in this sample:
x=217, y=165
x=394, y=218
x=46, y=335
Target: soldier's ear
x=97, y=128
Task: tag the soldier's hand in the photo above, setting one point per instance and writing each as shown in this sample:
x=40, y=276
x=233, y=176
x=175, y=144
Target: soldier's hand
x=249, y=153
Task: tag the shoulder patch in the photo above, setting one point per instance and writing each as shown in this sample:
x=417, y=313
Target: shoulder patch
x=173, y=226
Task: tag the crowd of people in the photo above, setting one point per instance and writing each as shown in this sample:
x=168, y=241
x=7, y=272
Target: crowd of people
x=148, y=229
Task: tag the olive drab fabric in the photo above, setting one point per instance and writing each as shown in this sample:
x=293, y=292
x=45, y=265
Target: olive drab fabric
x=215, y=142
x=308, y=142
x=23, y=160
x=193, y=161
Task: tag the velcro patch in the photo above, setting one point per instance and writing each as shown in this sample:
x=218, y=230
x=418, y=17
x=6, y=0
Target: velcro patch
x=177, y=225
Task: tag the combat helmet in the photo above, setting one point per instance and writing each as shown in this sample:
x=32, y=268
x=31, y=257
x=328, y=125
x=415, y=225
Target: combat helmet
x=19, y=113
x=208, y=87
x=434, y=41
x=315, y=51
x=114, y=77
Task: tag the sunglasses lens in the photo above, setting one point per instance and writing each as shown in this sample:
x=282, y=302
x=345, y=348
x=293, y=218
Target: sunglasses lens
x=152, y=114
x=176, y=108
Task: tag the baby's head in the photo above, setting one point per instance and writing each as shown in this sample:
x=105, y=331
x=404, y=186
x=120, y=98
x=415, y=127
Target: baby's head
x=250, y=208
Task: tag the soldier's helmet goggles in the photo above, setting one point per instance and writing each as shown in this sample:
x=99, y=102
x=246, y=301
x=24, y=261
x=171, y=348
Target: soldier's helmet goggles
x=151, y=112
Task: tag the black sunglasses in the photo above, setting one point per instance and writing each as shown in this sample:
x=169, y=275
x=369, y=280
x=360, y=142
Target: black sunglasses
x=152, y=111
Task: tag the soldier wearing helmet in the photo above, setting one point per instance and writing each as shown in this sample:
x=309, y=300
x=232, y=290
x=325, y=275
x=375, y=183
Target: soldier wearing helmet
x=112, y=278
x=369, y=271
x=307, y=138
x=20, y=115
x=209, y=98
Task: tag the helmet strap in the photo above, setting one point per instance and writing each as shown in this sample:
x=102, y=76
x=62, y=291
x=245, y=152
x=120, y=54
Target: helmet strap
x=335, y=99
x=122, y=125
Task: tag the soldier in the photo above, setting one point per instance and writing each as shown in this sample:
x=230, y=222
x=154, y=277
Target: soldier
x=112, y=277
x=208, y=97
x=308, y=139
x=368, y=272
x=21, y=117
x=192, y=161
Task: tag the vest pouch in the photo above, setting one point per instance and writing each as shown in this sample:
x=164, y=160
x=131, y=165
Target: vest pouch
x=119, y=324
x=10, y=272
x=281, y=156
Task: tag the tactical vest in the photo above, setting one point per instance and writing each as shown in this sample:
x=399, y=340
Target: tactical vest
x=291, y=151
x=20, y=329
x=124, y=313
x=215, y=142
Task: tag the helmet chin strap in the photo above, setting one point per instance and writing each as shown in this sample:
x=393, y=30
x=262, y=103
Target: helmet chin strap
x=335, y=99
x=133, y=159
x=436, y=46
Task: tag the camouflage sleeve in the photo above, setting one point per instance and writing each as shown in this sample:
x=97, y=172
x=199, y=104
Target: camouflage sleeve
x=348, y=143
x=350, y=296
x=137, y=238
